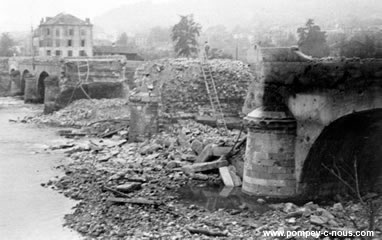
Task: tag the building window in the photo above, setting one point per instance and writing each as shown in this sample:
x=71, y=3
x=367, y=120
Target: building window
x=48, y=52
x=82, y=43
x=70, y=53
x=41, y=43
x=57, y=32
x=69, y=43
x=47, y=31
x=49, y=43
x=83, y=33
x=82, y=53
x=57, y=43
x=58, y=53
x=71, y=32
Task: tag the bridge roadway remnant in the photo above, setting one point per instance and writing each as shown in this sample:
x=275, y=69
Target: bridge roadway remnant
x=301, y=109
x=58, y=81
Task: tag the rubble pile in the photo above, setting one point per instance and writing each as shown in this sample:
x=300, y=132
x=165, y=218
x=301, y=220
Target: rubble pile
x=85, y=112
x=181, y=86
x=130, y=191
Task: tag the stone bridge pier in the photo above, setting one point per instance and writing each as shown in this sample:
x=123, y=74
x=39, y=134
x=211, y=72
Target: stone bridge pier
x=306, y=117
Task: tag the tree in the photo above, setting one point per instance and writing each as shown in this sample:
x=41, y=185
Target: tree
x=6, y=45
x=122, y=40
x=361, y=45
x=185, y=34
x=312, y=40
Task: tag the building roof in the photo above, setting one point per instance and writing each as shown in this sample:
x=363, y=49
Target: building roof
x=120, y=50
x=113, y=49
x=64, y=19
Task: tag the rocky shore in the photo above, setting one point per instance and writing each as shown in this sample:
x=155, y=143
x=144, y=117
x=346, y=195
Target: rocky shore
x=132, y=191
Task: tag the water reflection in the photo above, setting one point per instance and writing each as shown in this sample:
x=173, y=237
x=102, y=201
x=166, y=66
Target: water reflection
x=214, y=197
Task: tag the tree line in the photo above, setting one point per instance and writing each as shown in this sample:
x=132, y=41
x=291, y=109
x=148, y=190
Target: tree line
x=184, y=39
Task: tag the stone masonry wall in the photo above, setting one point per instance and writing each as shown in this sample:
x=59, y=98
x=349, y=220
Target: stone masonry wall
x=316, y=92
x=181, y=87
x=87, y=77
x=5, y=80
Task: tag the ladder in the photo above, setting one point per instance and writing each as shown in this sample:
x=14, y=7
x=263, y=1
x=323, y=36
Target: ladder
x=213, y=95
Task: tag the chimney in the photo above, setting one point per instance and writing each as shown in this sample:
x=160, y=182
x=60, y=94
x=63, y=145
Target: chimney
x=87, y=20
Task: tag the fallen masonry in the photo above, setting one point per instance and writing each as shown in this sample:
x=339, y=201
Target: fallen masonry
x=133, y=194
x=201, y=167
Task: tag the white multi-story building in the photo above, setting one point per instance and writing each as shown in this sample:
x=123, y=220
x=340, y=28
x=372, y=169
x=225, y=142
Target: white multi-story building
x=64, y=36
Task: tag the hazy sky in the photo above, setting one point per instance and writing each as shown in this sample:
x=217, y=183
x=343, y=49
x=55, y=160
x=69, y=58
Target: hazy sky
x=19, y=15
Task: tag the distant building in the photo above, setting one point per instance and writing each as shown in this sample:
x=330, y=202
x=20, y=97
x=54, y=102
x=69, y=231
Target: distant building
x=117, y=50
x=64, y=36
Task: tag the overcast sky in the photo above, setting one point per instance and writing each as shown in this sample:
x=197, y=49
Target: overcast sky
x=19, y=15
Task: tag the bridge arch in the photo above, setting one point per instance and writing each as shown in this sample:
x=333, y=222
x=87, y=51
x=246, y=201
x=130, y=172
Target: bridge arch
x=351, y=142
x=41, y=87
x=24, y=75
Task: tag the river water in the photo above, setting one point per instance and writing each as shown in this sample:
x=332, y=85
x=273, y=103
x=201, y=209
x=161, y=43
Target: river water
x=27, y=210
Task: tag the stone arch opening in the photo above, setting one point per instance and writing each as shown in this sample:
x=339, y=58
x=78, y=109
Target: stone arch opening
x=41, y=87
x=22, y=83
x=349, y=146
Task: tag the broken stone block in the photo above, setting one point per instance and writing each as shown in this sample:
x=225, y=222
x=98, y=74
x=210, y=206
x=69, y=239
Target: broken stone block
x=291, y=220
x=229, y=177
x=220, y=151
x=148, y=149
x=260, y=200
x=333, y=223
x=325, y=213
x=289, y=207
x=188, y=157
x=129, y=187
x=173, y=164
x=318, y=220
x=206, y=154
x=200, y=167
x=338, y=207
x=183, y=140
x=197, y=146
x=200, y=176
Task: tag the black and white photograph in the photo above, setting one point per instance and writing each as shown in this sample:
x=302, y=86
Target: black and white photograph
x=191, y=119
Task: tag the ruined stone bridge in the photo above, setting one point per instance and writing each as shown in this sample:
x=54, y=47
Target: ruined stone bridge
x=56, y=81
x=307, y=118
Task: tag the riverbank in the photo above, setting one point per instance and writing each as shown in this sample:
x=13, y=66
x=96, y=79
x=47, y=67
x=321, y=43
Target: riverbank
x=132, y=191
x=141, y=191
x=27, y=210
